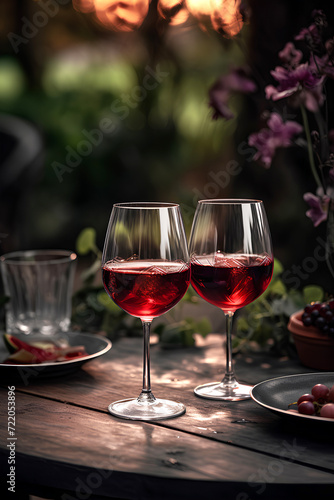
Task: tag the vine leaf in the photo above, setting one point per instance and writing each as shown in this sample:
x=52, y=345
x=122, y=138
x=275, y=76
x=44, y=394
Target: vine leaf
x=86, y=241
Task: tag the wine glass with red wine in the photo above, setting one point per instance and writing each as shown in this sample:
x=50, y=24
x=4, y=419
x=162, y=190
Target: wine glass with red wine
x=231, y=263
x=146, y=271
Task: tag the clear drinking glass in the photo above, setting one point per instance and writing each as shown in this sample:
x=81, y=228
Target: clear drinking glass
x=39, y=285
x=231, y=265
x=146, y=271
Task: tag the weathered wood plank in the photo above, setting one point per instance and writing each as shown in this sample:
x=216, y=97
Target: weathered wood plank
x=74, y=443
x=174, y=375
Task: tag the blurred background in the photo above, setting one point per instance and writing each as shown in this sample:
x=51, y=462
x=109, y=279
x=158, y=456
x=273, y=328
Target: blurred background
x=104, y=101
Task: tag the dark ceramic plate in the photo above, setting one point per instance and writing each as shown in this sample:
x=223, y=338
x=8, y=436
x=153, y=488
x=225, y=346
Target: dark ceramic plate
x=277, y=393
x=95, y=346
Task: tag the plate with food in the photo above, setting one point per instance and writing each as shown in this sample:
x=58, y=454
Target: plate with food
x=307, y=396
x=27, y=357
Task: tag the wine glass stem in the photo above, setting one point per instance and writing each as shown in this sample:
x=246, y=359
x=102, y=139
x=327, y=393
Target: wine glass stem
x=146, y=395
x=229, y=376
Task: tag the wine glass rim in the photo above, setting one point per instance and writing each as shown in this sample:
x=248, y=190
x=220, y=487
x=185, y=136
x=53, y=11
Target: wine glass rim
x=38, y=257
x=146, y=204
x=229, y=201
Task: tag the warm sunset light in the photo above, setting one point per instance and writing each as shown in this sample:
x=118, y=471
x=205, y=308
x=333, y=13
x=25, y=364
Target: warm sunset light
x=199, y=8
x=173, y=10
x=84, y=6
x=226, y=17
x=128, y=15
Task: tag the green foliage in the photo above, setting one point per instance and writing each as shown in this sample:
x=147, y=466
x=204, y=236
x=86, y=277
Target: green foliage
x=179, y=330
x=182, y=333
x=265, y=320
x=153, y=142
x=94, y=311
x=86, y=241
x=313, y=293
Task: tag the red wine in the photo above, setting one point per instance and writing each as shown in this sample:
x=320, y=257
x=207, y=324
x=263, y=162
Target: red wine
x=146, y=289
x=232, y=281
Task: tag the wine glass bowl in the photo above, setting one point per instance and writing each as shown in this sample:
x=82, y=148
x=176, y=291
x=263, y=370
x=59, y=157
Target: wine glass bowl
x=146, y=272
x=231, y=265
x=146, y=289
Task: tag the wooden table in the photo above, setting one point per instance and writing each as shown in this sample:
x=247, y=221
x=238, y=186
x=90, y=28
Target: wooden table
x=69, y=447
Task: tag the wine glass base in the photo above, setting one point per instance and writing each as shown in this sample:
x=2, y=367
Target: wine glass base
x=160, y=409
x=217, y=390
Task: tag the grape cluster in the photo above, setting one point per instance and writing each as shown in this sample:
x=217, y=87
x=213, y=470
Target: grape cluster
x=320, y=402
x=320, y=315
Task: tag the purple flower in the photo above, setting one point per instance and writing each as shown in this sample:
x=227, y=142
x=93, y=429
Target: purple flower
x=301, y=84
x=313, y=34
x=323, y=65
x=268, y=140
x=310, y=35
x=319, y=207
x=239, y=81
x=327, y=60
x=290, y=56
x=235, y=81
x=219, y=102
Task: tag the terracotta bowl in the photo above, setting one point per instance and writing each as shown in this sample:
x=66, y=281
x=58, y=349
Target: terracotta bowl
x=315, y=350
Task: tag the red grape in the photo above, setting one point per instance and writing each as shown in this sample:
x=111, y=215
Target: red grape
x=330, y=396
x=315, y=315
x=320, y=391
x=306, y=397
x=306, y=407
x=324, y=309
x=319, y=402
x=327, y=410
x=329, y=316
x=321, y=316
x=320, y=322
x=306, y=319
